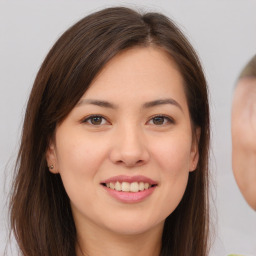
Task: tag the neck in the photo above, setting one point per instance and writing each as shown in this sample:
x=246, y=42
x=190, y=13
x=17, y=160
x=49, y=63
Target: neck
x=93, y=242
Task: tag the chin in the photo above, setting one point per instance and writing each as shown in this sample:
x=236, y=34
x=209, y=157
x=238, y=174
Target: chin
x=133, y=226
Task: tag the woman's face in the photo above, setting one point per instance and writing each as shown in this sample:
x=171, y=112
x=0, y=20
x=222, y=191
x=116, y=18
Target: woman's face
x=125, y=151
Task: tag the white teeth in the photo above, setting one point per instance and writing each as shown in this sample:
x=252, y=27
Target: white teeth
x=141, y=186
x=146, y=186
x=134, y=187
x=118, y=186
x=125, y=186
x=128, y=187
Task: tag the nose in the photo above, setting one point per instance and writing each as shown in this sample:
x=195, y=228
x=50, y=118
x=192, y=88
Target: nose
x=129, y=148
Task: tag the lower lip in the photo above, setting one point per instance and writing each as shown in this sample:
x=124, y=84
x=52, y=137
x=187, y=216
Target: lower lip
x=130, y=197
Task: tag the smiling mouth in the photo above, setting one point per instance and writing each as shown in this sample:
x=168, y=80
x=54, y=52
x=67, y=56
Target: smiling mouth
x=128, y=187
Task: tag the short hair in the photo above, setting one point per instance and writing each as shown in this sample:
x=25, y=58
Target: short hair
x=249, y=71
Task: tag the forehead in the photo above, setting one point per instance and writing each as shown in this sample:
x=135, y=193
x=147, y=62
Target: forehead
x=143, y=73
x=245, y=90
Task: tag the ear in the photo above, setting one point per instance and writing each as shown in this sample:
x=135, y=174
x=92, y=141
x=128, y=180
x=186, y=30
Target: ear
x=51, y=158
x=194, y=154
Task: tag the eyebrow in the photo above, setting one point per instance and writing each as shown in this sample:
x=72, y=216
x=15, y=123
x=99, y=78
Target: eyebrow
x=100, y=103
x=150, y=104
x=162, y=102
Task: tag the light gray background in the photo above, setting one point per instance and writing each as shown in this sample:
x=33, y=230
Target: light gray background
x=224, y=34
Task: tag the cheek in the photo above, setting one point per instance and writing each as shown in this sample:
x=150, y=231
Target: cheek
x=173, y=158
x=173, y=154
x=78, y=160
x=76, y=153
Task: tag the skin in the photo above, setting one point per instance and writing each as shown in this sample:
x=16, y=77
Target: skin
x=127, y=142
x=244, y=138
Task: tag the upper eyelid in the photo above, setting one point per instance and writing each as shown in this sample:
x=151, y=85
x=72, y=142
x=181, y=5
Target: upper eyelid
x=164, y=116
x=84, y=119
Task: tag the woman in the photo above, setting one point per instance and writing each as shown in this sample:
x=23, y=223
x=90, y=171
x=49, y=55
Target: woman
x=114, y=151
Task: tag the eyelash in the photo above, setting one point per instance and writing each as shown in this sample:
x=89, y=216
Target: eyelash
x=89, y=119
x=167, y=120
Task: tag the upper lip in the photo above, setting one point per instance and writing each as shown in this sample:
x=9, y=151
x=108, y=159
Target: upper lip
x=130, y=179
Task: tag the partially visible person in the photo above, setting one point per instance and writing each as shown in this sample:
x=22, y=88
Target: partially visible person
x=244, y=133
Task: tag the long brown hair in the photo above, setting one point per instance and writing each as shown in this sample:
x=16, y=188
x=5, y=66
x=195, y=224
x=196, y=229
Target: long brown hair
x=41, y=217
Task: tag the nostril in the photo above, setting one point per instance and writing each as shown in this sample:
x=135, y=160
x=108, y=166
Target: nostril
x=130, y=163
x=140, y=162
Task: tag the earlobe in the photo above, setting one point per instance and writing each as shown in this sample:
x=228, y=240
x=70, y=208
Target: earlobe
x=194, y=150
x=51, y=158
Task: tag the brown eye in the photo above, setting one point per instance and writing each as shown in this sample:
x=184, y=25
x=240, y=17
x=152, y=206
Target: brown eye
x=95, y=120
x=161, y=120
x=158, y=120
